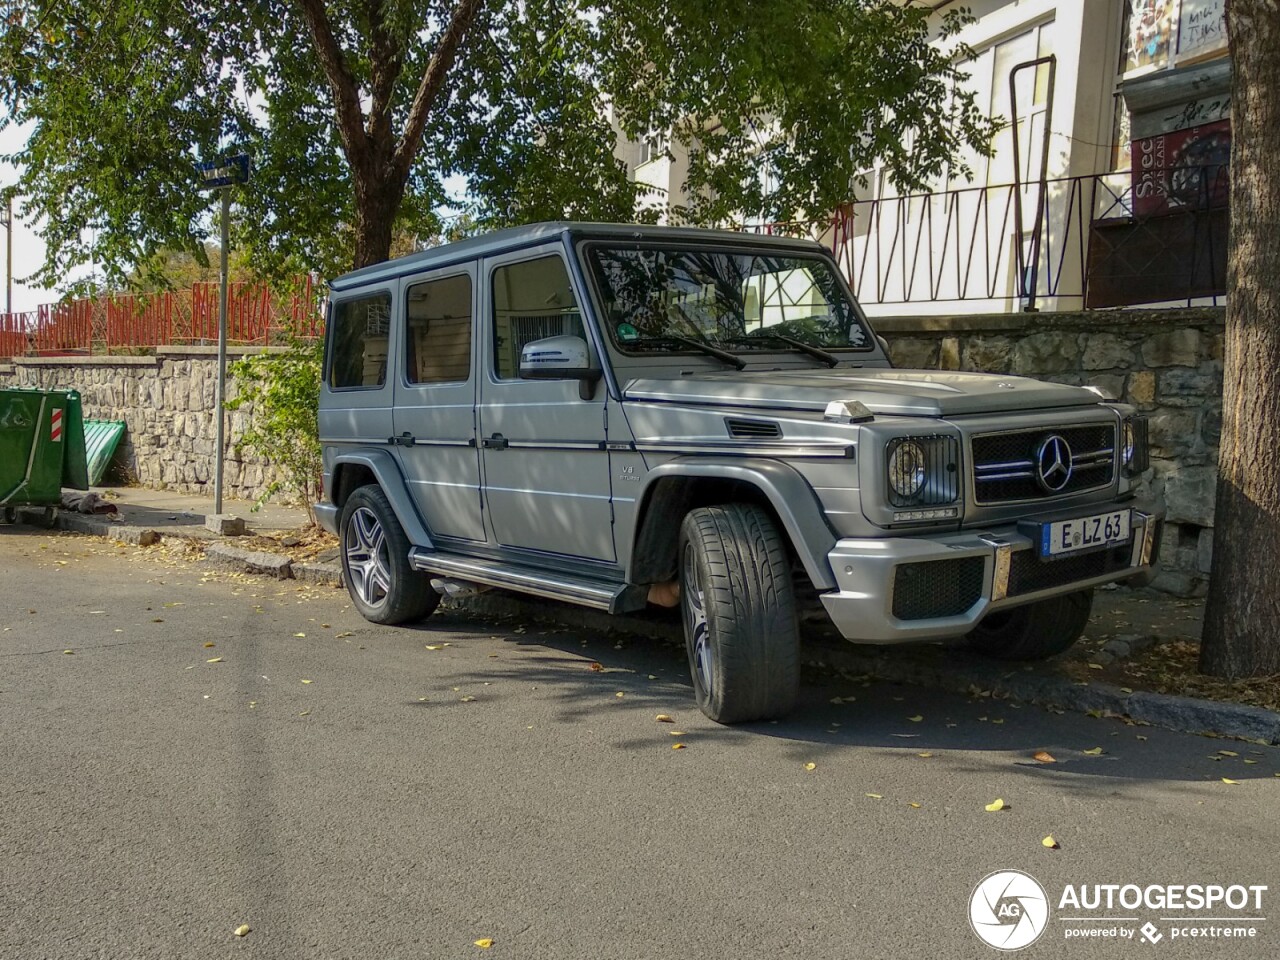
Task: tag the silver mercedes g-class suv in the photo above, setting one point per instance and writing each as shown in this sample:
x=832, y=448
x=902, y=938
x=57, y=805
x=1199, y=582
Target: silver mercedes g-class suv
x=617, y=415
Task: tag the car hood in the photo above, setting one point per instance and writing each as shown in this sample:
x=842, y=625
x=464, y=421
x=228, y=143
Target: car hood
x=910, y=393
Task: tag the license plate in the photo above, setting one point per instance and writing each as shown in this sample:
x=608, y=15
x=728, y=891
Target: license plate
x=1084, y=533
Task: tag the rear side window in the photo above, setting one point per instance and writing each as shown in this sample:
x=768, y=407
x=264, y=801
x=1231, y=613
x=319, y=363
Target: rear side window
x=359, y=353
x=438, y=332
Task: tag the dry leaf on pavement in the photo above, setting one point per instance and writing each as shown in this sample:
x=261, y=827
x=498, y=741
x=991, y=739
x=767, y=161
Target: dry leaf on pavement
x=996, y=805
x=1051, y=843
x=1044, y=756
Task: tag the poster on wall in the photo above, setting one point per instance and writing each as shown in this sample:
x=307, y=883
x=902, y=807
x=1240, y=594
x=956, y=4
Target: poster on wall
x=1181, y=171
x=1150, y=33
x=1202, y=29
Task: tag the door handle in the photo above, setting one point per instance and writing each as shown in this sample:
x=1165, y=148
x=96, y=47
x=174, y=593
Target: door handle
x=496, y=442
x=404, y=440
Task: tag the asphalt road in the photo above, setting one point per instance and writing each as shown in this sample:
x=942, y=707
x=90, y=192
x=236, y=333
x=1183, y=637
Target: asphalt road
x=354, y=791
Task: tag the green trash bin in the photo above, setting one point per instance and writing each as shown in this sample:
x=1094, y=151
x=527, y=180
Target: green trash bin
x=41, y=449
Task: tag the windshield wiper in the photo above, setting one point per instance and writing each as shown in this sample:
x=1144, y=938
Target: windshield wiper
x=830, y=359
x=724, y=356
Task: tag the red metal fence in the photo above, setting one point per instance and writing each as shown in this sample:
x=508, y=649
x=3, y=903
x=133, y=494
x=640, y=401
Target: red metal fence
x=122, y=322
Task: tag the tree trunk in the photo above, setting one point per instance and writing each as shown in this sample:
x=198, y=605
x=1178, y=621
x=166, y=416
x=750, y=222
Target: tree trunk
x=1242, y=618
x=377, y=201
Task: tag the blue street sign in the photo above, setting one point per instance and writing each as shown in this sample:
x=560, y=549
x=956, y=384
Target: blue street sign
x=224, y=172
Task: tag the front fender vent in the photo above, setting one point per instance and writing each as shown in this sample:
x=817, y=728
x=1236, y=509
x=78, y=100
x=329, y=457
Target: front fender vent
x=741, y=429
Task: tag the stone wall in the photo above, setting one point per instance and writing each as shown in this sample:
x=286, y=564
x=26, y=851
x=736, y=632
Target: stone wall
x=1167, y=363
x=168, y=403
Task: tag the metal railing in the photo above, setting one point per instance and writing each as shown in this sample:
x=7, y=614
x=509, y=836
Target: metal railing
x=117, y=323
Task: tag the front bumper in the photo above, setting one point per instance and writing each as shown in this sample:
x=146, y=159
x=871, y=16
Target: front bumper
x=905, y=589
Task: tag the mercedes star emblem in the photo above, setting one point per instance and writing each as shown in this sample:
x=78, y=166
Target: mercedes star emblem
x=1053, y=463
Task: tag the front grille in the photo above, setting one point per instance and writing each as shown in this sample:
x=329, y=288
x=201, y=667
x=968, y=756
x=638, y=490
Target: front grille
x=937, y=588
x=1028, y=573
x=1005, y=467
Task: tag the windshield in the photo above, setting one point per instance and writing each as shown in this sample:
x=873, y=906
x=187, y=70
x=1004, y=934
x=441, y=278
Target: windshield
x=737, y=301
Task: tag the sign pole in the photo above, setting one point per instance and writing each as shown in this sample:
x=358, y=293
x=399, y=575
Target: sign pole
x=222, y=350
x=221, y=175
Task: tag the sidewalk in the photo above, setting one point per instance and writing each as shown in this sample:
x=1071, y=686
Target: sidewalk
x=182, y=514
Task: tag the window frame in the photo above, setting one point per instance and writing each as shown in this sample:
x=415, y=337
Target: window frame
x=452, y=272
x=331, y=338
x=491, y=334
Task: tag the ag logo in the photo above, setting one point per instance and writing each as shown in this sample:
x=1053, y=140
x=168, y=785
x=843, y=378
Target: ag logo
x=1008, y=910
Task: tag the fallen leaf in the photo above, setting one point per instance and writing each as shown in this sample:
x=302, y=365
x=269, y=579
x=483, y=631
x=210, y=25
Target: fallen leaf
x=484, y=943
x=663, y=718
x=1251, y=761
x=304, y=713
x=676, y=733
x=925, y=755
x=914, y=805
x=677, y=746
x=1126, y=689
x=1140, y=737
x=596, y=667
x=1234, y=783
x=1001, y=720
x=344, y=633
x=916, y=719
x=433, y=646
x=1229, y=753
x=157, y=619
x=619, y=694
x=468, y=699
x=214, y=660
x=243, y=930
x=306, y=681
x=1095, y=666
x=69, y=651
x=874, y=796
x=210, y=644
x=996, y=805
x=811, y=766
x=1093, y=752
x=299, y=634
x=1051, y=843
x=1044, y=757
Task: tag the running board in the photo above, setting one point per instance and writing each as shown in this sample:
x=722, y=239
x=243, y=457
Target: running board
x=585, y=592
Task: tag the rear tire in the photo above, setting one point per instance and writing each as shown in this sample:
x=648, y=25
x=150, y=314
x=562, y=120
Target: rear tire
x=1036, y=631
x=375, y=562
x=739, y=614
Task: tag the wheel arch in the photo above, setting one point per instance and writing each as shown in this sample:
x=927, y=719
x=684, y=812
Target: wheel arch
x=356, y=468
x=673, y=489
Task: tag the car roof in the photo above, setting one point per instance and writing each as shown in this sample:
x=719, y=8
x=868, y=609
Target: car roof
x=513, y=238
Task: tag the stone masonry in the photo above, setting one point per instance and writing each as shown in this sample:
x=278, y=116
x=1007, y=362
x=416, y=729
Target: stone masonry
x=168, y=402
x=1167, y=363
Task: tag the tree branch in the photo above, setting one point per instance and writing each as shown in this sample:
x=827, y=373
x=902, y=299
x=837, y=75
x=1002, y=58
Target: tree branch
x=386, y=64
x=464, y=14
x=346, y=96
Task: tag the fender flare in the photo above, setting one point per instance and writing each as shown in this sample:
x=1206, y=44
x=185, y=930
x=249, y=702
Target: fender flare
x=386, y=471
x=793, y=500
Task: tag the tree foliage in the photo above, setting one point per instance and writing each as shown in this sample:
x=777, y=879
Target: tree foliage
x=281, y=392
x=358, y=112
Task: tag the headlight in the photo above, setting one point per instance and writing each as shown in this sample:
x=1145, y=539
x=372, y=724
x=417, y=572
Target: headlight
x=923, y=476
x=1134, y=454
x=907, y=469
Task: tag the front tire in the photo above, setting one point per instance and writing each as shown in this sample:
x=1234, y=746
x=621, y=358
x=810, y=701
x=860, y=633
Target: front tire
x=1036, y=631
x=375, y=562
x=739, y=614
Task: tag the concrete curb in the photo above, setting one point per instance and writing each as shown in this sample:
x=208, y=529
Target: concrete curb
x=249, y=561
x=946, y=670
x=94, y=526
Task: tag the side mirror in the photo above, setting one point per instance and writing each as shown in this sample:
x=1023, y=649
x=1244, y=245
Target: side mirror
x=560, y=358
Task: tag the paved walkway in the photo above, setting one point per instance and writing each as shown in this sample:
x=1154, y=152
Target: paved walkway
x=182, y=514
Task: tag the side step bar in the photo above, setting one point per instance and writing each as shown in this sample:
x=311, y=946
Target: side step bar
x=598, y=594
